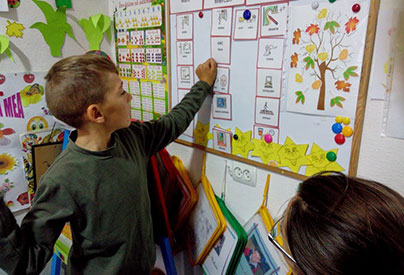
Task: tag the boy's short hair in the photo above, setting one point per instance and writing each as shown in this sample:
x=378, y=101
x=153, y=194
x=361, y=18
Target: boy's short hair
x=76, y=82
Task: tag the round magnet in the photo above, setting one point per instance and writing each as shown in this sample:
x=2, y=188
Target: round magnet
x=336, y=128
x=331, y=1
x=346, y=120
x=200, y=14
x=347, y=131
x=331, y=156
x=356, y=8
x=338, y=119
x=314, y=5
x=339, y=139
x=235, y=137
x=268, y=138
x=247, y=14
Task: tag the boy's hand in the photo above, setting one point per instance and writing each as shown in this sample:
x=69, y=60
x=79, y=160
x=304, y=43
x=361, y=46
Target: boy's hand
x=207, y=71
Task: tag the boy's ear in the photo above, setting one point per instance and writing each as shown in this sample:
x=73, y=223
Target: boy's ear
x=94, y=114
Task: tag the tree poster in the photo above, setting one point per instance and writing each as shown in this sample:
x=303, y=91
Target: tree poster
x=325, y=57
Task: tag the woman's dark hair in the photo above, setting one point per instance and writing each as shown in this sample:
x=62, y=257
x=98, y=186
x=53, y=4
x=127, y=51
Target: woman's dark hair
x=342, y=225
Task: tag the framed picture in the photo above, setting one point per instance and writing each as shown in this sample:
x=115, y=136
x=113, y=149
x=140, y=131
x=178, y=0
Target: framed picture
x=43, y=156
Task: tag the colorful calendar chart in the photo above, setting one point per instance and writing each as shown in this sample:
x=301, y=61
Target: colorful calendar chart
x=142, y=57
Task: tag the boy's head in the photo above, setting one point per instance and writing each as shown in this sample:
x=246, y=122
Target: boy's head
x=74, y=83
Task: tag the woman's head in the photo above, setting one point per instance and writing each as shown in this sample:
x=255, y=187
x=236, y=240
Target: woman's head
x=341, y=225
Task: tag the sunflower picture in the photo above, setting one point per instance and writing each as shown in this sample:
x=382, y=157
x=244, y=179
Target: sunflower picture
x=7, y=163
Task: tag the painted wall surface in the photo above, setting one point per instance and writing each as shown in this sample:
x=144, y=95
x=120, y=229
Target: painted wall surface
x=30, y=52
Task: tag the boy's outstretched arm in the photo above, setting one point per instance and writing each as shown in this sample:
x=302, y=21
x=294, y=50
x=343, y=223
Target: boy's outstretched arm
x=157, y=134
x=27, y=249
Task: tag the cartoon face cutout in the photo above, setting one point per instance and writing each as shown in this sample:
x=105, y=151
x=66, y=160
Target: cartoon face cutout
x=37, y=123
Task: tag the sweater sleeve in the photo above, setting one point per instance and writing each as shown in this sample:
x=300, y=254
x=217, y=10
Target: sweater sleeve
x=157, y=134
x=27, y=249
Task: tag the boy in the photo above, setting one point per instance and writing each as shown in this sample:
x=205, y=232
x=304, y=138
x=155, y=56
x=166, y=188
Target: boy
x=98, y=183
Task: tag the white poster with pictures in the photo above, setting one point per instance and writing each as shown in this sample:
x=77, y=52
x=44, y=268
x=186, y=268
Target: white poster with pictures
x=185, y=26
x=221, y=106
x=269, y=82
x=246, y=29
x=184, y=52
x=222, y=140
x=221, y=22
x=269, y=52
x=274, y=19
x=221, y=49
x=185, y=75
x=221, y=84
x=260, y=132
x=267, y=111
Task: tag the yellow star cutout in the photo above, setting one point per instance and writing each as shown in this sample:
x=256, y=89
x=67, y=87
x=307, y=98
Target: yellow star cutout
x=319, y=161
x=243, y=145
x=266, y=151
x=293, y=155
x=201, y=133
x=14, y=29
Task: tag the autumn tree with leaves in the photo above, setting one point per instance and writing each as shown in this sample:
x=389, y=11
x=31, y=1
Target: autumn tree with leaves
x=323, y=51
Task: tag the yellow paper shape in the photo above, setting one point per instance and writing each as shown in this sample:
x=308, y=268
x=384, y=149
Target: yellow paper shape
x=322, y=14
x=293, y=155
x=54, y=31
x=94, y=28
x=4, y=46
x=14, y=29
x=243, y=145
x=202, y=134
x=319, y=161
x=266, y=151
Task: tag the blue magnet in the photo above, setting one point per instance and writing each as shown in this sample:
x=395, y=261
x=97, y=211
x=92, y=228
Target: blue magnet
x=247, y=14
x=336, y=128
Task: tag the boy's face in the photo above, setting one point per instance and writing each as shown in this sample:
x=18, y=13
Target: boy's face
x=116, y=105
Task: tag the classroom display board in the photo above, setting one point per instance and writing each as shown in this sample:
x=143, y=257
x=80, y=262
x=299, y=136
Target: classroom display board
x=141, y=56
x=288, y=78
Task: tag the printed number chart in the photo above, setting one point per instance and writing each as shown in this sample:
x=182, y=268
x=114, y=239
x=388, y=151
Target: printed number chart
x=288, y=82
x=141, y=57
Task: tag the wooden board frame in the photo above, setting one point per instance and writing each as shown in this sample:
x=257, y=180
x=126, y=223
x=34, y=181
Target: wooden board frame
x=360, y=109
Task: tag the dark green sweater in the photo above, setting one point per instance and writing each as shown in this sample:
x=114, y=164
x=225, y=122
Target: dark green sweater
x=105, y=198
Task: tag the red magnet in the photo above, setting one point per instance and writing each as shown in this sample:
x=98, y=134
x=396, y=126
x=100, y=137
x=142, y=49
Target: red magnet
x=268, y=138
x=356, y=8
x=339, y=139
x=200, y=14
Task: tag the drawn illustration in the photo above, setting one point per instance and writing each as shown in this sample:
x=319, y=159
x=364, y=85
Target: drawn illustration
x=3, y=133
x=185, y=73
x=31, y=94
x=6, y=186
x=268, y=13
x=37, y=123
x=292, y=155
x=7, y=163
x=242, y=144
x=319, y=161
x=223, y=80
x=323, y=52
x=222, y=15
x=267, y=152
x=268, y=49
x=185, y=22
